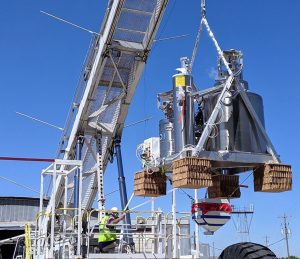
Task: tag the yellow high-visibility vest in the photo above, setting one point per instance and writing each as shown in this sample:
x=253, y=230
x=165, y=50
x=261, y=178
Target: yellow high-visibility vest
x=106, y=234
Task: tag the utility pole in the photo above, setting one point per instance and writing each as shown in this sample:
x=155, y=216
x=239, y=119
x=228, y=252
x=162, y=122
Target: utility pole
x=267, y=241
x=286, y=231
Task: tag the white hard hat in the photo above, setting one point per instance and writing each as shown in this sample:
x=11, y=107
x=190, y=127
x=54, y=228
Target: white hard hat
x=114, y=209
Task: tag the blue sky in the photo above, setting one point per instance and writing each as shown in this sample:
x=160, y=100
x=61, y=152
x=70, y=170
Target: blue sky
x=41, y=59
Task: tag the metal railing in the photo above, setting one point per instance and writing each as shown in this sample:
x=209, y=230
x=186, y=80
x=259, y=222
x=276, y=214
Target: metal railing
x=151, y=232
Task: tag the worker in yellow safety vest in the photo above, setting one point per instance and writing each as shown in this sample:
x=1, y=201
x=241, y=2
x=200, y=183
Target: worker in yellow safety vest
x=107, y=230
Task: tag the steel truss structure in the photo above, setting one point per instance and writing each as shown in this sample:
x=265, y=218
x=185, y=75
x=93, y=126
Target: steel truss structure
x=111, y=75
x=113, y=68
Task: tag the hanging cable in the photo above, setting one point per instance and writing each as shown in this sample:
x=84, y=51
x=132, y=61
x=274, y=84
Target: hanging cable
x=219, y=50
x=276, y=242
x=189, y=196
x=167, y=20
x=110, y=193
x=172, y=37
x=19, y=184
x=163, y=28
x=241, y=183
x=70, y=23
x=195, y=50
x=41, y=121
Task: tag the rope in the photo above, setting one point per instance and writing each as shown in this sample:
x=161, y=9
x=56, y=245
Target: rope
x=277, y=242
x=241, y=183
x=195, y=50
x=184, y=192
x=220, y=52
x=189, y=196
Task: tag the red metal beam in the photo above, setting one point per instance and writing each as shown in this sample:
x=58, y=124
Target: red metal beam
x=26, y=159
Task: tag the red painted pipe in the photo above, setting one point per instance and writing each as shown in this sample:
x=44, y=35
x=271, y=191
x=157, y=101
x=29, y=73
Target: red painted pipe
x=26, y=159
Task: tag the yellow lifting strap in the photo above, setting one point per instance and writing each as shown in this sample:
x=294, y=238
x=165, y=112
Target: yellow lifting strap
x=28, y=249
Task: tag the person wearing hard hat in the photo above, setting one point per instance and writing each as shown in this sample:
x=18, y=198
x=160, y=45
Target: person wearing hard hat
x=107, y=230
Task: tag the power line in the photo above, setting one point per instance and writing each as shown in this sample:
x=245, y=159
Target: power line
x=276, y=242
x=19, y=184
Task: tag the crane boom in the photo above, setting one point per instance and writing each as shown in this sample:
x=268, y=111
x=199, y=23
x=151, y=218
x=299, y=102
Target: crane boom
x=115, y=66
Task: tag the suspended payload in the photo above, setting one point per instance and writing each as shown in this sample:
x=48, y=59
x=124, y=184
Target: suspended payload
x=211, y=214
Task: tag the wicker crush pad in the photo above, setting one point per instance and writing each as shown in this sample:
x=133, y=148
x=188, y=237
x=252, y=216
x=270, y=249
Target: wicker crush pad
x=273, y=178
x=191, y=172
x=224, y=186
x=150, y=185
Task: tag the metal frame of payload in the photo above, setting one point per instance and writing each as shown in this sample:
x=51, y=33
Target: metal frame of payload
x=183, y=139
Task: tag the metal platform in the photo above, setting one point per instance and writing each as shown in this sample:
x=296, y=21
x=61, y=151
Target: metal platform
x=127, y=256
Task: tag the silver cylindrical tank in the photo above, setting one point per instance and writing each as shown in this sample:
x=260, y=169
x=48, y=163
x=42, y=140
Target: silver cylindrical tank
x=166, y=135
x=247, y=136
x=258, y=105
x=234, y=129
x=183, y=106
x=221, y=136
x=226, y=126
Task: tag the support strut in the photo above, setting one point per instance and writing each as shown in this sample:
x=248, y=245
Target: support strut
x=99, y=158
x=79, y=146
x=123, y=192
